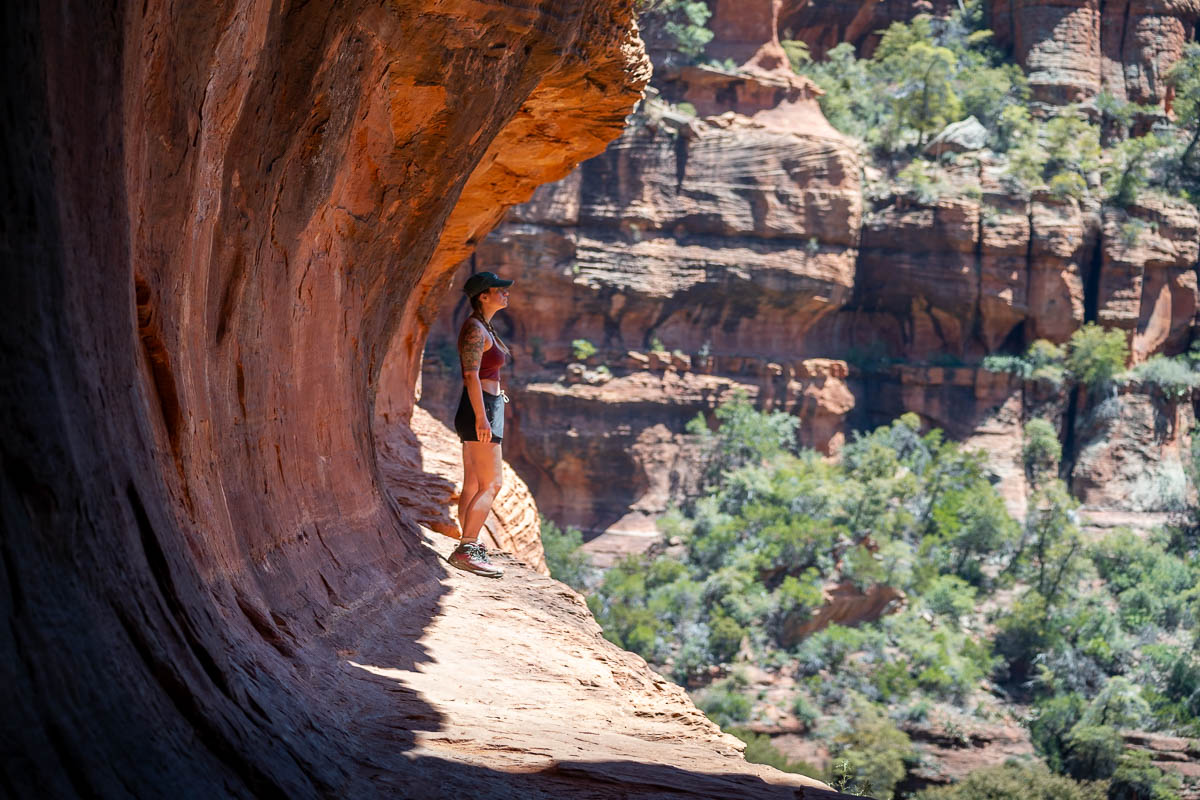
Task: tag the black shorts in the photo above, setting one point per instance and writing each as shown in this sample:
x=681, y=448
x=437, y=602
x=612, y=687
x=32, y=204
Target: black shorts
x=464, y=420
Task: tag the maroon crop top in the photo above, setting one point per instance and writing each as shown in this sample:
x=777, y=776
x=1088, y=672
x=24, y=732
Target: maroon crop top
x=490, y=363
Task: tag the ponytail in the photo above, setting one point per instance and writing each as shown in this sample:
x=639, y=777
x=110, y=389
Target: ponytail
x=477, y=313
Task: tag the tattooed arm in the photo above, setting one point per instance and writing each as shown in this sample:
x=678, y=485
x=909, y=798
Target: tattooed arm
x=472, y=341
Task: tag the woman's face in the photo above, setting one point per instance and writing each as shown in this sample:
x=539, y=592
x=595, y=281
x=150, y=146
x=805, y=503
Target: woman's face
x=497, y=297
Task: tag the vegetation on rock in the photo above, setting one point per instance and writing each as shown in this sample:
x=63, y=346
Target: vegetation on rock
x=1097, y=638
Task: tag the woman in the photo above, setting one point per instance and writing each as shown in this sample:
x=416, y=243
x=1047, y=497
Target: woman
x=480, y=418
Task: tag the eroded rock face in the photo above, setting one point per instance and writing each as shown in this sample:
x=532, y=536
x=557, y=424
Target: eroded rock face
x=1074, y=49
x=221, y=232
x=1147, y=275
x=729, y=233
x=824, y=24
x=1132, y=450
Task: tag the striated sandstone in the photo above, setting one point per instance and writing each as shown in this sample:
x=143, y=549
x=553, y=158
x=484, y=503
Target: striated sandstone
x=1147, y=274
x=1074, y=49
x=843, y=604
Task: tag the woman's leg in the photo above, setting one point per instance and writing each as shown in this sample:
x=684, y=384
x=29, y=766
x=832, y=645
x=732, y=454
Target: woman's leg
x=469, y=488
x=484, y=460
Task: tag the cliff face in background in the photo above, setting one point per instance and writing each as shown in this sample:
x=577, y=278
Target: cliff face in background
x=734, y=235
x=224, y=220
x=740, y=239
x=1074, y=50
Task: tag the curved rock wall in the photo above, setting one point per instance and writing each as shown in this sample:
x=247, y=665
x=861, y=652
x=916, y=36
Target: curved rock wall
x=222, y=216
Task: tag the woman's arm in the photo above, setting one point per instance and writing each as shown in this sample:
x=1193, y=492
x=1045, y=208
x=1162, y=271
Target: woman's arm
x=471, y=344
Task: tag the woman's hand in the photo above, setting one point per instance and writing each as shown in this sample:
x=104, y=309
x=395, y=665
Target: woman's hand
x=483, y=431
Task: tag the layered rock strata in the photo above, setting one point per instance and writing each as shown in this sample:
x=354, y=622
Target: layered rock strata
x=223, y=217
x=1075, y=50
x=722, y=237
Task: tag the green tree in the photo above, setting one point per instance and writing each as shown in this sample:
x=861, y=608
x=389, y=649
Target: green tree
x=1017, y=781
x=1041, y=451
x=676, y=24
x=1052, y=721
x=1184, y=77
x=1129, y=168
x=564, y=558
x=1092, y=752
x=1136, y=778
x=875, y=750
x=1096, y=356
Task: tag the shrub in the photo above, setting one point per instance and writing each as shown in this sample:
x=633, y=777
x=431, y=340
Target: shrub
x=725, y=703
x=1184, y=76
x=564, y=558
x=1041, y=451
x=760, y=750
x=725, y=637
x=1174, y=377
x=582, y=349
x=805, y=712
x=923, y=181
x=1017, y=781
x=875, y=750
x=1052, y=720
x=1118, y=705
x=1061, y=152
x=1092, y=752
x=1130, y=164
x=1043, y=361
x=950, y=596
x=1136, y=778
x=1095, y=356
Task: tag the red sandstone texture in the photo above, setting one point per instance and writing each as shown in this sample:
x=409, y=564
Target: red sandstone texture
x=717, y=238
x=824, y=24
x=1074, y=49
x=225, y=217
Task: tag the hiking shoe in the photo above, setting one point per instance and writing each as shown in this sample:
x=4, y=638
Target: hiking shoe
x=472, y=557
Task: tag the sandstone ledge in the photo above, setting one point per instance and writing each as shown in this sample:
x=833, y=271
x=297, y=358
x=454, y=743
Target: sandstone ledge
x=518, y=695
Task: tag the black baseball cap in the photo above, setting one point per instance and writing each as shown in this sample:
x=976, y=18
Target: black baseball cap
x=482, y=281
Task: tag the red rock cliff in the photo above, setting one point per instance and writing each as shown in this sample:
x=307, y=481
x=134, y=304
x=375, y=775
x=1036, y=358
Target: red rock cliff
x=219, y=218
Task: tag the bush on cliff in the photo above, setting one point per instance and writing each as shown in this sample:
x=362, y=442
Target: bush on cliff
x=1184, y=76
x=874, y=751
x=1096, y=356
x=1017, y=781
x=924, y=74
x=1041, y=451
x=1176, y=378
x=564, y=558
x=1093, y=357
x=678, y=25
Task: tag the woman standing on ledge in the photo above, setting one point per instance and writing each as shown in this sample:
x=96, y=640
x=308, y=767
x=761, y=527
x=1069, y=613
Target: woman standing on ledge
x=480, y=418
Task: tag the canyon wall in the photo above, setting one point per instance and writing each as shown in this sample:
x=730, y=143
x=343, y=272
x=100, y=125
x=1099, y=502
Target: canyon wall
x=219, y=220
x=719, y=252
